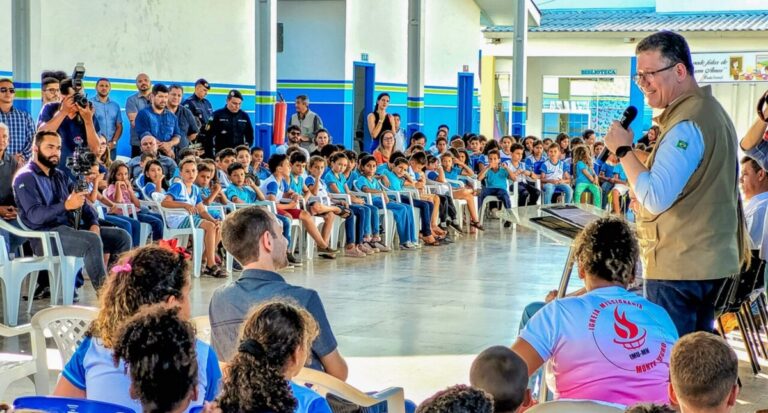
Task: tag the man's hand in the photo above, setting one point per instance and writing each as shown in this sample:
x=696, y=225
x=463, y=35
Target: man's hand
x=20, y=159
x=86, y=112
x=95, y=229
x=74, y=201
x=166, y=148
x=7, y=212
x=68, y=106
x=617, y=136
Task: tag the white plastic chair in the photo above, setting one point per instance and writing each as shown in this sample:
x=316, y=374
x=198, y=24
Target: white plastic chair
x=62, y=278
x=129, y=210
x=325, y=384
x=182, y=234
x=202, y=328
x=14, y=366
x=14, y=271
x=387, y=216
x=461, y=206
x=490, y=198
x=67, y=325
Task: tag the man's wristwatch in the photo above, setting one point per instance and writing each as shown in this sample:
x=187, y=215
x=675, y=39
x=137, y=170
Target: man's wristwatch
x=621, y=151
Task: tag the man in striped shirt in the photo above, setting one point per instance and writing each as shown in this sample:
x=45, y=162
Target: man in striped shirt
x=21, y=127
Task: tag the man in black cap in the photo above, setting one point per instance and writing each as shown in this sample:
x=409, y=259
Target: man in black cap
x=228, y=128
x=198, y=104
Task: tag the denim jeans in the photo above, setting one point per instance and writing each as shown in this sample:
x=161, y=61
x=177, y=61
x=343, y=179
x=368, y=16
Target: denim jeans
x=549, y=190
x=690, y=304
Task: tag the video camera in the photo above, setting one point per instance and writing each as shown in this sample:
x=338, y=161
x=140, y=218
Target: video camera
x=80, y=164
x=77, y=84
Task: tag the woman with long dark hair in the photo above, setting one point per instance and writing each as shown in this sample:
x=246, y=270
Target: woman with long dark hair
x=379, y=120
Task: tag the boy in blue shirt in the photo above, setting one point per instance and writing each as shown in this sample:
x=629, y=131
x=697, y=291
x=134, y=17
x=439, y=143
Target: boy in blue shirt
x=475, y=154
x=257, y=166
x=529, y=194
x=494, y=179
x=554, y=176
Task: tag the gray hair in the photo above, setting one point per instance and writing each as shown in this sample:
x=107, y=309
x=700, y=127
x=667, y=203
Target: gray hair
x=4, y=126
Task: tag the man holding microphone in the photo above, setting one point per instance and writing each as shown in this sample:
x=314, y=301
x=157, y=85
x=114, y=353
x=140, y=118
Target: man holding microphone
x=689, y=220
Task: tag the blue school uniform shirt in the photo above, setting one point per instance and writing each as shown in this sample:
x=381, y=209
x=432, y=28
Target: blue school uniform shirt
x=607, y=169
x=296, y=184
x=309, y=401
x=496, y=179
x=92, y=370
x=340, y=180
x=395, y=182
x=353, y=175
x=270, y=186
x=553, y=171
x=504, y=157
x=618, y=169
x=150, y=188
x=243, y=193
x=381, y=168
x=179, y=194
x=371, y=183
x=475, y=159
x=580, y=177
x=262, y=172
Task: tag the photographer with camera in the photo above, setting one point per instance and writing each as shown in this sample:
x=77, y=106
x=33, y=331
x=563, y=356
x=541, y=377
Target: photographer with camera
x=72, y=118
x=48, y=201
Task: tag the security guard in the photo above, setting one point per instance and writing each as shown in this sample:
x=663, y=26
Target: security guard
x=228, y=128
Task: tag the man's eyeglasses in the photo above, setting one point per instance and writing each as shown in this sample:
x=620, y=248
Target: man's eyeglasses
x=648, y=76
x=7, y=90
x=52, y=90
x=294, y=133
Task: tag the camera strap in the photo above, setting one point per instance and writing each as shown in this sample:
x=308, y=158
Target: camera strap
x=760, y=105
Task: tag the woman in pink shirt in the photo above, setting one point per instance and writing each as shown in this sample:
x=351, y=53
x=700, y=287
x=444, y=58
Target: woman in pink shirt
x=609, y=344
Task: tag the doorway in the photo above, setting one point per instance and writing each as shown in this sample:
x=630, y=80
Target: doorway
x=364, y=74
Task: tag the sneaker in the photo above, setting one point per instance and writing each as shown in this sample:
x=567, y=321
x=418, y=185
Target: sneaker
x=294, y=261
x=354, y=252
x=381, y=247
x=372, y=246
x=407, y=246
x=446, y=240
x=365, y=249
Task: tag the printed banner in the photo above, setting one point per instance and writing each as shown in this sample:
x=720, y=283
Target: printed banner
x=730, y=67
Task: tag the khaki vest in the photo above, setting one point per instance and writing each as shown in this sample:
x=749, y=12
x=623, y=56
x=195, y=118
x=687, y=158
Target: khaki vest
x=698, y=237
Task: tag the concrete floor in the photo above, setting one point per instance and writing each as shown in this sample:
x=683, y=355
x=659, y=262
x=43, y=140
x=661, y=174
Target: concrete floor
x=416, y=319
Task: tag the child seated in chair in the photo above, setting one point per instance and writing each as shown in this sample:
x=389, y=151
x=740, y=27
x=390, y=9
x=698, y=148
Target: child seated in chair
x=458, y=191
x=620, y=188
x=586, y=179
x=417, y=179
x=224, y=158
x=158, y=349
x=394, y=179
x=244, y=158
x=257, y=166
x=529, y=194
x=275, y=342
x=537, y=157
x=186, y=195
x=210, y=188
x=366, y=236
x=495, y=183
x=315, y=206
x=402, y=213
x=120, y=191
x=554, y=176
x=154, y=180
x=276, y=189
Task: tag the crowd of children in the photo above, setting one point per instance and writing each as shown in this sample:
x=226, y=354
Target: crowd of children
x=423, y=191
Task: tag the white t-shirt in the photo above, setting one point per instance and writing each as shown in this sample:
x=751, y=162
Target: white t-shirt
x=552, y=171
x=608, y=345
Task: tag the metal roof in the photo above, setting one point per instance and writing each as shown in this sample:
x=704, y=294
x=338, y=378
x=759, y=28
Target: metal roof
x=642, y=20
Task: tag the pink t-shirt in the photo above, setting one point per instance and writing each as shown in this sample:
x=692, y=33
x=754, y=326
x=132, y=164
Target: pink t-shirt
x=608, y=345
x=109, y=193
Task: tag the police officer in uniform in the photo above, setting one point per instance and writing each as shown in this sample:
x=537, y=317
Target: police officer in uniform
x=228, y=128
x=198, y=104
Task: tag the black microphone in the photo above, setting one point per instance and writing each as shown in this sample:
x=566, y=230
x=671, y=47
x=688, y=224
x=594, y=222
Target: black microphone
x=627, y=117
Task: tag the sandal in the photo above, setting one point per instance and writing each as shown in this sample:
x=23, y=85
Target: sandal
x=476, y=224
x=215, y=272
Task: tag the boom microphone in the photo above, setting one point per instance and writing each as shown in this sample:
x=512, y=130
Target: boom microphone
x=627, y=117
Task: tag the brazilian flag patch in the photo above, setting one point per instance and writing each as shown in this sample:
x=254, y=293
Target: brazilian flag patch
x=682, y=145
